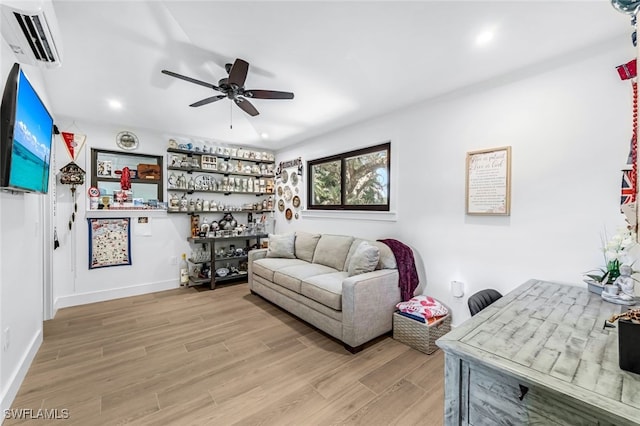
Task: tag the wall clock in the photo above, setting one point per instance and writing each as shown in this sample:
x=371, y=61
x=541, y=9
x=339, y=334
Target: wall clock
x=127, y=141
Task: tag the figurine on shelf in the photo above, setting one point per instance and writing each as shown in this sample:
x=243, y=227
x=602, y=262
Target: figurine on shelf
x=174, y=203
x=626, y=283
x=621, y=292
x=184, y=203
x=182, y=181
x=204, y=228
x=227, y=222
x=173, y=181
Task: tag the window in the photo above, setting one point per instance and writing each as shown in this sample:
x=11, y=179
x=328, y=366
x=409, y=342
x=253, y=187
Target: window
x=355, y=180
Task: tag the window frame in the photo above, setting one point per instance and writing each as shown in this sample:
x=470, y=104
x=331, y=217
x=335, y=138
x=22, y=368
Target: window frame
x=342, y=157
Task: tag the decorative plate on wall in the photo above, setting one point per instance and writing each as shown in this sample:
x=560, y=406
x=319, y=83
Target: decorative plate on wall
x=285, y=176
x=288, y=214
x=296, y=201
x=127, y=141
x=279, y=191
x=281, y=205
x=287, y=193
x=294, y=178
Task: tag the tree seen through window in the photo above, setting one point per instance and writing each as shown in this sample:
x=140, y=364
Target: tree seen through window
x=356, y=180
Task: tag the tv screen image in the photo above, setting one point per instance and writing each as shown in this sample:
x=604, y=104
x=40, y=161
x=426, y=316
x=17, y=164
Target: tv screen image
x=31, y=140
x=27, y=143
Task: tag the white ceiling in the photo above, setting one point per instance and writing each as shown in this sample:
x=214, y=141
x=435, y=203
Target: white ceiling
x=345, y=61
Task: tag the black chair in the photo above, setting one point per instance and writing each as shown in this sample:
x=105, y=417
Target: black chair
x=482, y=299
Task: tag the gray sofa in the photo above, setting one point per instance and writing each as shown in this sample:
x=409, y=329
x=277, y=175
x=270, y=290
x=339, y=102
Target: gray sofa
x=320, y=278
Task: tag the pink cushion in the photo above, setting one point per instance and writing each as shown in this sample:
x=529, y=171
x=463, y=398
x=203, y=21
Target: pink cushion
x=424, y=306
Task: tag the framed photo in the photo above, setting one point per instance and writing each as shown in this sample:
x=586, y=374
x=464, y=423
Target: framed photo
x=104, y=168
x=488, y=182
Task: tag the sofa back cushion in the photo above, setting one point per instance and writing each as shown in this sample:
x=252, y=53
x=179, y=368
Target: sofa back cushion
x=332, y=250
x=305, y=245
x=281, y=246
x=387, y=259
x=365, y=259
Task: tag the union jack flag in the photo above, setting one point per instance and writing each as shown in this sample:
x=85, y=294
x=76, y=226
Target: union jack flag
x=627, y=193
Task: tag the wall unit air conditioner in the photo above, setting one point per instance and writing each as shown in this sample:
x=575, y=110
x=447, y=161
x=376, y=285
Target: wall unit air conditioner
x=31, y=30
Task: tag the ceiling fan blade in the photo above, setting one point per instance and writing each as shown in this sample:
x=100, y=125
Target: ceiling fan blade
x=238, y=73
x=190, y=80
x=208, y=100
x=246, y=106
x=267, y=94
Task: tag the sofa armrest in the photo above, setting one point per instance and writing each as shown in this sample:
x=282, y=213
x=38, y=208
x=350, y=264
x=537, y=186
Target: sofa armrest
x=254, y=255
x=368, y=303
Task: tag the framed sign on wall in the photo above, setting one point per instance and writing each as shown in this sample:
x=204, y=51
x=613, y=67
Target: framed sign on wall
x=488, y=182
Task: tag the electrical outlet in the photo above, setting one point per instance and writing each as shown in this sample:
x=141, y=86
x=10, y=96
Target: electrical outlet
x=6, y=339
x=173, y=260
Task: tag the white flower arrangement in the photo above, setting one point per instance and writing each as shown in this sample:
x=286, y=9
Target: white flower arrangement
x=616, y=253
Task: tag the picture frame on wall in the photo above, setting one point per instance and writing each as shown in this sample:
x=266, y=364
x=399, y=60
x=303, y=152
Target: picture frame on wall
x=104, y=168
x=488, y=182
x=109, y=242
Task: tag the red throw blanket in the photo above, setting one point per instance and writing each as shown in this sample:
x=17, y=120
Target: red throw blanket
x=408, y=275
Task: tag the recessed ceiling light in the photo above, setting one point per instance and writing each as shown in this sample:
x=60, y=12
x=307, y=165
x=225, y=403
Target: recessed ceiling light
x=484, y=37
x=264, y=135
x=114, y=104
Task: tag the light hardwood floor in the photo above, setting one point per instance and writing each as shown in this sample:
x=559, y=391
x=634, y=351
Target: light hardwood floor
x=221, y=357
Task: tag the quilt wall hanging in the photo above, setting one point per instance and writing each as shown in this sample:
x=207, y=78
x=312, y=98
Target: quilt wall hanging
x=109, y=242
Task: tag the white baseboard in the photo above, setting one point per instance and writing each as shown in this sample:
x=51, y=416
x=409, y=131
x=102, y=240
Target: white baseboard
x=113, y=293
x=14, y=383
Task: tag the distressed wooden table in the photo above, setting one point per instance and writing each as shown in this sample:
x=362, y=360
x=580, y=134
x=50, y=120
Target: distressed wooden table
x=539, y=355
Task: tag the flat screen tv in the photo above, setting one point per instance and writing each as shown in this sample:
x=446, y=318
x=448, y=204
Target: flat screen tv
x=26, y=136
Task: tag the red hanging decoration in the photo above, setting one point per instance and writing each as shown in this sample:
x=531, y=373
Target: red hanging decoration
x=125, y=179
x=629, y=186
x=634, y=143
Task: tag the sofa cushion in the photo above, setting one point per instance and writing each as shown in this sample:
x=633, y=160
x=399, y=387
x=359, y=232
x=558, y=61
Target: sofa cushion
x=267, y=266
x=281, y=246
x=332, y=250
x=305, y=245
x=325, y=289
x=365, y=259
x=291, y=276
x=387, y=258
x=352, y=250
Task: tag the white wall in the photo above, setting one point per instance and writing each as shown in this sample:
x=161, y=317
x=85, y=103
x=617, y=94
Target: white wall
x=569, y=125
x=151, y=269
x=22, y=250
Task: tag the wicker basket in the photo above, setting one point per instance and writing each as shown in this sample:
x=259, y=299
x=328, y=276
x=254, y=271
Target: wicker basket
x=419, y=335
